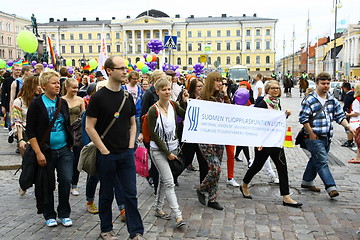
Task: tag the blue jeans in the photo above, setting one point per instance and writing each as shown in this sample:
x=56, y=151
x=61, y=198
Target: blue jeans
x=318, y=163
x=61, y=160
x=122, y=165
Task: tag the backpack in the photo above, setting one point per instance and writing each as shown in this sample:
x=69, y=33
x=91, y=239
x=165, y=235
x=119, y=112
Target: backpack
x=145, y=124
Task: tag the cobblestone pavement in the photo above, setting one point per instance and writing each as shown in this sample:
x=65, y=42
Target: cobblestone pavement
x=263, y=217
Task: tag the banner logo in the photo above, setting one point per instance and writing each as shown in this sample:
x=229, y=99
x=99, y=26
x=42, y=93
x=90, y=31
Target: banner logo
x=193, y=116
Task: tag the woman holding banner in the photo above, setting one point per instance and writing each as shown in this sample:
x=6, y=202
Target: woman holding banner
x=270, y=101
x=213, y=90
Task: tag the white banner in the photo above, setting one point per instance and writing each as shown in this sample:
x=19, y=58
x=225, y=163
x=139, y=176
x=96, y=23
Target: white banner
x=103, y=54
x=228, y=124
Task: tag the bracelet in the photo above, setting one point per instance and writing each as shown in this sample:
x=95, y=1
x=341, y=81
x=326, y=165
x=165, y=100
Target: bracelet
x=21, y=140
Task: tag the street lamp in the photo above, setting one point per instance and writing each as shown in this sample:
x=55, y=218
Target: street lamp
x=336, y=5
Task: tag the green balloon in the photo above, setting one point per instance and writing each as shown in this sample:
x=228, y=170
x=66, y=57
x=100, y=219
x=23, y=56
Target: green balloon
x=2, y=63
x=93, y=63
x=27, y=41
x=68, y=62
x=144, y=69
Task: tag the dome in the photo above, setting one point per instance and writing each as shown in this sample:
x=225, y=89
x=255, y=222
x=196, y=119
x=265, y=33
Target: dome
x=153, y=13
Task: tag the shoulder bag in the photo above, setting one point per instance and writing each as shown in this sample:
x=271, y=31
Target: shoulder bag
x=87, y=159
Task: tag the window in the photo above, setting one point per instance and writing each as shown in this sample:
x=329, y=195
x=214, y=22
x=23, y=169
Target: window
x=189, y=34
x=157, y=34
x=238, y=45
x=247, y=59
x=90, y=49
x=218, y=60
x=9, y=30
x=178, y=47
x=237, y=60
x=80, y=36
x=138, y=34
x=248, y=32
x=62, y=36
x=218, y=46
x=2, y=39
x=257, y=69
x=117, y=35
x=237, y=33
x=63, y=49
x=267, y=59
x=228, y=33
x=72, y=49
x=209, y=33
x=71, y=36
x=0, y=30
x=199, y=47
x=267, y=32
x=228, y=60
x=189, y=47
x=247, y=45
x=218, y=33
x=258, y=45
x=257, y=59
x=267, y=45
x=53, y=36
x=166, y=33
x=199, y=33
x=108, y=36
x=118, y=48
x=9, y=40
x=178, y=34
x=257, y=32
x=267, y=69
x=138, y=49
x=178, y=61
x=10, y=54
x=89, y=36
x=108, y=48
x=81, y=48
x=228, y=46
x=98, y=36
x=190, y=61
x=99, y=48
x=209, y=60
x=147, y=34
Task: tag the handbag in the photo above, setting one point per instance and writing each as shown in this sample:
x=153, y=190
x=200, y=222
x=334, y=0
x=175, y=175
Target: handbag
x=303, y=134
x=29, y=161
x=87, y=159
x=177, y=165
x=142, y=161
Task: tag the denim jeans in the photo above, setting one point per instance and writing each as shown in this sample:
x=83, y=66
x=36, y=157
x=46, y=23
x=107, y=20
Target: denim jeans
x=122, y=165
x=166, y=183
x=61, y=160
x=318, y=164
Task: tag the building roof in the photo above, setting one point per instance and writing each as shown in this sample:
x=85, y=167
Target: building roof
x=227, y=19
x=153, y=13
x=70, y=23
x=15, y=16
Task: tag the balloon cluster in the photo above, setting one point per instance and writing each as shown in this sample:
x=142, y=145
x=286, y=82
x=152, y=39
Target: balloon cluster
x=151, y=65
x=172, y=67
x=155, y=45
x=198, y=69
x=33, y=63
x=10, y=63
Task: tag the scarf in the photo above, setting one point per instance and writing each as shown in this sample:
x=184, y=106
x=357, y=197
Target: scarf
x=273, y=102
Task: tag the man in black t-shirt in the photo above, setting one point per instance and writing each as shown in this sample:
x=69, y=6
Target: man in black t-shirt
x=116, y=149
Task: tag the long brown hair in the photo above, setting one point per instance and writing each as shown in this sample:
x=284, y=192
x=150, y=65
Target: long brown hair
x=28, y=90
x=208, y=89
x=192, y=87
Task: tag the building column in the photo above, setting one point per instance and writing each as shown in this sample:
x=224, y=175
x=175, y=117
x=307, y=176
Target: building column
x=351, y=51
x=356, y=51
x=133, y=41
x=125, y=44
x=151, y=34
x=160, y=35
x=347, y=48
x=142, y=42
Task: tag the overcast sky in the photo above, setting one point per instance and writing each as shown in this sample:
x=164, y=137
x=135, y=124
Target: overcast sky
x=288, y=12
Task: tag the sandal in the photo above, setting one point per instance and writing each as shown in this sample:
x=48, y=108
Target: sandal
x=162, y=215
x=180, y=223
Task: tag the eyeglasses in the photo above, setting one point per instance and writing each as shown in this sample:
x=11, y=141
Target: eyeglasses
x=120, y=68
x=274, y=88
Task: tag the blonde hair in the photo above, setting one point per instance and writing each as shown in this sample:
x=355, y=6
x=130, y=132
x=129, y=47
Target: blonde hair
x=357, y=90
x=162, y=82
x=208, y=89
x=66, y=84
x=45, y=76
x=157, y=74
x=268, y=85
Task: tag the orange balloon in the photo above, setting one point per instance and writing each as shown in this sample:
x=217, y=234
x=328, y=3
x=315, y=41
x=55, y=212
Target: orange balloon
x=154, y=58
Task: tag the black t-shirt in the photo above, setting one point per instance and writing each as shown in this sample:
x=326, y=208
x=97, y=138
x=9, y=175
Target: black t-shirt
x=103, y=106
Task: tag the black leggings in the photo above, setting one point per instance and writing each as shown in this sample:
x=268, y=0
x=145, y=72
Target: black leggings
x=245, y=150
x=278, y=157
x=189, y=150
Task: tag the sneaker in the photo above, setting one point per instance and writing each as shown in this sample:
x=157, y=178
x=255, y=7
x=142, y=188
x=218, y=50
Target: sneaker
x=354, y=148
x=138, y=236
x=91, y=208
x=66, y=222
x=191, y=168
x=122, y=215
x=232, y=182
x=347, y=144
x=51, y=222
x=333, y=193
x=75, y=192
x=108, y=235
x=274, y=180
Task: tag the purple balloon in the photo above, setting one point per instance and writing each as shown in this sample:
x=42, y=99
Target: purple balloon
x=241, y=96
x=10, y=63
x=45, y=64
x=145, y=55
x=70, y=70
x=51, y=66
x=33, y=63
x=177, y=73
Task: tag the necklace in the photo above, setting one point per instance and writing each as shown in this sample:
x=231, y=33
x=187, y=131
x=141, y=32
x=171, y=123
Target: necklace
x=165, y=110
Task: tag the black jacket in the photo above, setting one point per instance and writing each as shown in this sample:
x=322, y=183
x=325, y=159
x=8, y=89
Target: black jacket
x=37, y=120
x=5, y=92
x=149, y=98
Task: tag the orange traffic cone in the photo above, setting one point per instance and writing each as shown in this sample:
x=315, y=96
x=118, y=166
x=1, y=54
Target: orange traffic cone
x=288, y=139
